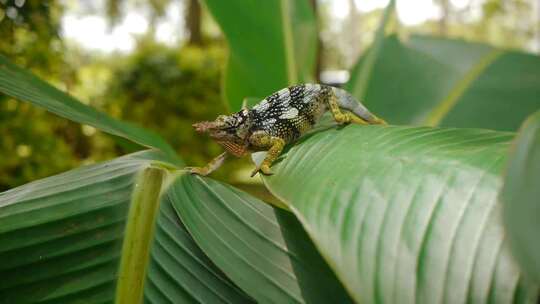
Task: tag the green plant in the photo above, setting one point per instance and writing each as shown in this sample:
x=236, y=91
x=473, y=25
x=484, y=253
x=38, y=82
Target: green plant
x=30, y=39
x=191, y=76
x=376, y=214
x=520, y=196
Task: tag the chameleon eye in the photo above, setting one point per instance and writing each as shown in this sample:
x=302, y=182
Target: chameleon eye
x=221, y=118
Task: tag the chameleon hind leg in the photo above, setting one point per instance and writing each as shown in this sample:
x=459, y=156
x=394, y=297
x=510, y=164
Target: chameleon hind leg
x=263, y=140
x=341, y=117
x=210, y=167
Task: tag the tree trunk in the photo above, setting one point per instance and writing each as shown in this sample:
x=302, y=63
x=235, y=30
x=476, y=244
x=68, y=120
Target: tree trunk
x=193, y=22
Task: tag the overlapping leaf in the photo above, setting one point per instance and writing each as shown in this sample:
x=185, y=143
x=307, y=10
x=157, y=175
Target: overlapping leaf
x=406, y=215
x=179, y=272
x=272, y=44
x=262, y=249
x=20, y=84
x=62, y=239
x=521, y=197
x=451, y=83
x=362, y=72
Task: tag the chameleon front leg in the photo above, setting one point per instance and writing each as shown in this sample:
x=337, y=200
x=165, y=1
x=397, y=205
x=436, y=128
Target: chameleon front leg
x=210, y=167
x=343, y=118
x=274, y=145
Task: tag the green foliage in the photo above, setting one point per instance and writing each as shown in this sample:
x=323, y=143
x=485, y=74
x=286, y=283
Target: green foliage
x=405, y=214
x=26, y=147
x=451, y=83
x=61, y=236
x=167, y=90
x=271, y=44
x=262, y=249
x=31, y=40
x=400, y=214
x=18, y=83
x=64, y=238
x=520, y=197
x=192, y=78
x=179, y=271
x=358, y=85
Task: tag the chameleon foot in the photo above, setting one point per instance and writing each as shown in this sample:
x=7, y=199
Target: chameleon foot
x=264, y=169
x=349, y=118
x=210, y=167
x=346, y=118
x=197, y=170
x=378, y=121
x=341, y=118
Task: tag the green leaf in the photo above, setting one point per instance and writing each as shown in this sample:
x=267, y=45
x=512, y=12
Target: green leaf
x=451, y=83
x=179, y=271
x=19, y=83
x=360, y=79
x=520, y=196
x=88, y=236
x=264, y=250
x=272, y=44
x=299, y=15
x=405, y=214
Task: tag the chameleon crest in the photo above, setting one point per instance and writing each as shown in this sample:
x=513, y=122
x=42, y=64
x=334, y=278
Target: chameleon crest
x=280, y=119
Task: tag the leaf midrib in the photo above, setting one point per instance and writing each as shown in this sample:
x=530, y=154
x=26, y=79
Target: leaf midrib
x=439, y=112
x=139, y=233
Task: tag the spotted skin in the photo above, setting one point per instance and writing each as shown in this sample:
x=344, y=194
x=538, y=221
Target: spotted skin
x=291, y=112
x=280, y=119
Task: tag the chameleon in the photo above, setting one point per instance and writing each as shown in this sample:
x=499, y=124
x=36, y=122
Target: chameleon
x=278, y=120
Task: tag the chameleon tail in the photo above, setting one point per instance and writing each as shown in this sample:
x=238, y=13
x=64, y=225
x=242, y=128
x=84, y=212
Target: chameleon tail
x=346, y=101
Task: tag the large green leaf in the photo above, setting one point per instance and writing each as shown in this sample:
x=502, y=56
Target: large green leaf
x=262, y=249
x=521, y=197
x=19, y=83
x=362, y=72
x=405, y=214
x=179, y=271
x=451, y=83
x=87, y=235
x=272, y=44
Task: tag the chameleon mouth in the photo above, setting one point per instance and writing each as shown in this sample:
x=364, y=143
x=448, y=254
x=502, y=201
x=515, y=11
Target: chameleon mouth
x=204, y=126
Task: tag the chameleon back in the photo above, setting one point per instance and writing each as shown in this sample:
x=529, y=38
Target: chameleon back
x=292, y=111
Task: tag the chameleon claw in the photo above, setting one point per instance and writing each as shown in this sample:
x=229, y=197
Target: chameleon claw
x=264, y=169
x=360, y=121
x=379, y=121
x=197, y=170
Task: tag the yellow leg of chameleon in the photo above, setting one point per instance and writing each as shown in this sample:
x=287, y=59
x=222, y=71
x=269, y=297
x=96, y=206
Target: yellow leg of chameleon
x=339, y=117
x=210, y=167
x=379, y=121
x=355, y=119
x=343, y=118
x=276, y=146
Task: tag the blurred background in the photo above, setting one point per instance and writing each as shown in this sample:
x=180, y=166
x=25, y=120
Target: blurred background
x=159, y=64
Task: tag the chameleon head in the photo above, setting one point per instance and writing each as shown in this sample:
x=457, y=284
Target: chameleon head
x=230, y=131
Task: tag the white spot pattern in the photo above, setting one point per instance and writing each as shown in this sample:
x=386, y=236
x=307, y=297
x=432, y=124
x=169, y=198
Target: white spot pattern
x=262, y=106
x=289, y=114
x=284, y=97
x=269, y=122
x=310, y=91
